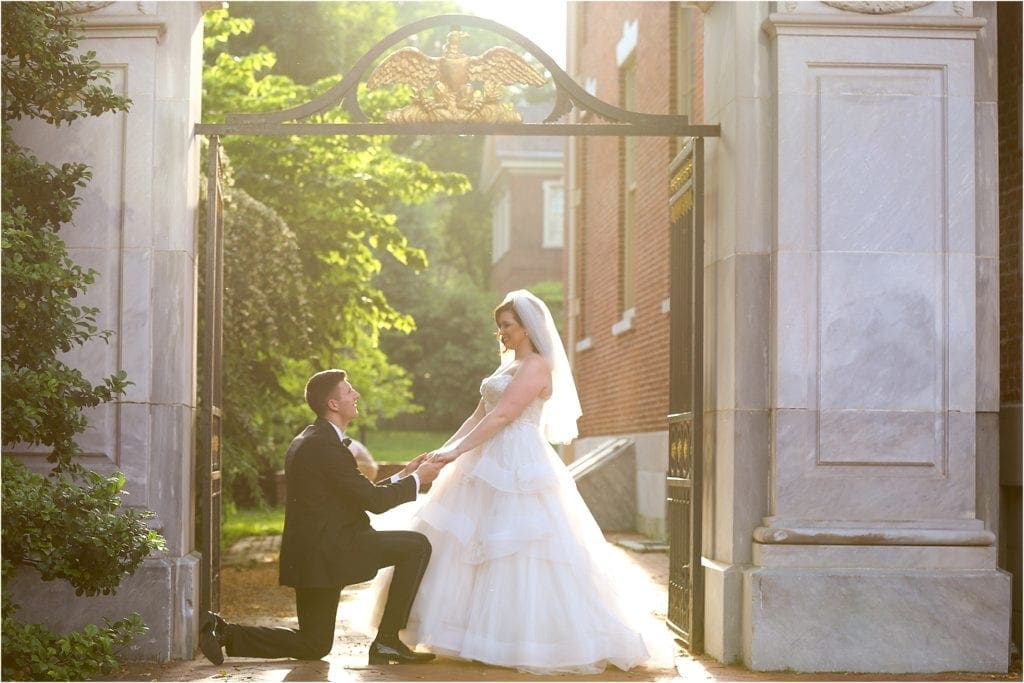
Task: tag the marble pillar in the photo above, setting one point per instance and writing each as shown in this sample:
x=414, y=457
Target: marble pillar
x=872, y=556
x=737, y=269
x=136, y=226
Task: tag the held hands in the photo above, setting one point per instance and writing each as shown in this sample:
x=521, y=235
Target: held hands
x=444, y=455
x=425, y=468
x=413, y=464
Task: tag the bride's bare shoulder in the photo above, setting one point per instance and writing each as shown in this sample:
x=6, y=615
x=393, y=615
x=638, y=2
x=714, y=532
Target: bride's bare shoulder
x=535, y=369
x=536, y=362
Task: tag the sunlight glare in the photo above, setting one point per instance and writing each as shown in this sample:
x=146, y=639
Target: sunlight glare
x=541, y=21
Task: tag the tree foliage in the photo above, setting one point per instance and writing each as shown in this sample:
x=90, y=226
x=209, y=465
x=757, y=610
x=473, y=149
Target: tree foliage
x=362, y=215
x=318, y=41
x=322, y=214
x=43, y=396
x=450, y=351
x=267, y=321
x=70, y=524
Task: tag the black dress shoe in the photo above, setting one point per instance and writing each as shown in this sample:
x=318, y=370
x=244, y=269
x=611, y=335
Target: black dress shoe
x=210, y=638
x=388, y=650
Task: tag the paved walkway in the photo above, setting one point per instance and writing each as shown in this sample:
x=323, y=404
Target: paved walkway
x=644, y=575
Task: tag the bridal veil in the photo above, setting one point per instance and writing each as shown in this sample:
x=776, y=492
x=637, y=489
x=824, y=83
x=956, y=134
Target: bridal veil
x=558, y=420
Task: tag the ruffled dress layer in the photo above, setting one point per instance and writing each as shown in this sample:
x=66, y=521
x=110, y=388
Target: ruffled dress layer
x=517, y=574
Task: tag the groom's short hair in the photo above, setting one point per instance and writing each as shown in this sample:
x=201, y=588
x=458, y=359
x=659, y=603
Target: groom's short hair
x=320, y=387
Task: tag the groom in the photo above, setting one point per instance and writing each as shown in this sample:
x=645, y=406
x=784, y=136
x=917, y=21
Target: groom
x=328, y=542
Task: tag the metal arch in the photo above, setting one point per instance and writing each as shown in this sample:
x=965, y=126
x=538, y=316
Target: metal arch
x=568, y=94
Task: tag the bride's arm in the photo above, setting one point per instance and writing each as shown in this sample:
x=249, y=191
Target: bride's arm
x=530, y=380
x=467, y=425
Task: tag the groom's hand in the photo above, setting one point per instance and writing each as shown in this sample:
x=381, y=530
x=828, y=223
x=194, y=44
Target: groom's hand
x=413, y=464
x=428, y=470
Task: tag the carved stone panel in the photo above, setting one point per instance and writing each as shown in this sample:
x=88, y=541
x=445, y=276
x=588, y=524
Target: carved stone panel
x=874, y=281
x=867, y=7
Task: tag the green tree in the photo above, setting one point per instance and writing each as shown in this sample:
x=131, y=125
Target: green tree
x=312, y=40
x=70, y=524
x=365, y=213
x=335, y=199
x=451, y=350
x=266, y=321
x=317, y=41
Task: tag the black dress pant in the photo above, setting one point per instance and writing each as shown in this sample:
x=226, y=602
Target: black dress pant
x=317, y=608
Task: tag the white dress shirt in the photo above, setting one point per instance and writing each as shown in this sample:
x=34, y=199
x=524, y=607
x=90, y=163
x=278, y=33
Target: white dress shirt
x=394, y=477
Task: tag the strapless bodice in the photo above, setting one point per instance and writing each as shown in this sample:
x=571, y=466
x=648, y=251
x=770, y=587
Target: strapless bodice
x=494, y=386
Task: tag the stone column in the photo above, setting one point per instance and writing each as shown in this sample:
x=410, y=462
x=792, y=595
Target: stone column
x=986, y=118
x=136, y=226
x=872, y=557
x=737, y=307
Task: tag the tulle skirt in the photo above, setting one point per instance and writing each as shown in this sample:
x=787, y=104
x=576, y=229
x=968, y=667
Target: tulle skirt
x=517, y=576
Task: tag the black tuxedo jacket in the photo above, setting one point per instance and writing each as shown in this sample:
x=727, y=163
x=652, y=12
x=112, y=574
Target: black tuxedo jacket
x=327, y=537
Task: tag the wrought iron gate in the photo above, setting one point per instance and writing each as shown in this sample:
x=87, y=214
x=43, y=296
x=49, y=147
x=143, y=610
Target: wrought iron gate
x=685, y=419
x=483, y=115
x=208, y=467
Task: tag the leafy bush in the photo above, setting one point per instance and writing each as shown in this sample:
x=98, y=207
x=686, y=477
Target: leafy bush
x=71, y=524
x=43, y=655
x=71, y=531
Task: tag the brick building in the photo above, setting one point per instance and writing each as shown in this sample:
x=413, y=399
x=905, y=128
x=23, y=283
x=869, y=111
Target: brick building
x=523, y=177
x=644, y=57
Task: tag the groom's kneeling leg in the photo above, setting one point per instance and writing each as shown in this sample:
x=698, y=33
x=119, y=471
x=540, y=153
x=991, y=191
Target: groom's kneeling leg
x=408, y=552
x=317, y=609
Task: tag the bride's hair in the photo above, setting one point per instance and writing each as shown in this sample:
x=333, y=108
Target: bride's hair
x=563, y=408
x=507, y=306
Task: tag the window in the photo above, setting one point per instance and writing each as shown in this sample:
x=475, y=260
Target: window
x=501, y=237
x=685, y=82
x=554, y=214
x=686, y=88
x=579, y=202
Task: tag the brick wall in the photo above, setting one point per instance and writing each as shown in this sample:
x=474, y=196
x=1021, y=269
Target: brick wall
x=623, y=380
x=697, y=115
x=527, y=261
x=1009, y=21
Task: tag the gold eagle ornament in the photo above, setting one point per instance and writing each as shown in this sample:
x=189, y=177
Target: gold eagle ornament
x=443, y=86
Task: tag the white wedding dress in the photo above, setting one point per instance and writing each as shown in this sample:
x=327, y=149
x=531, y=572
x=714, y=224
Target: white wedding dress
x=517, y=576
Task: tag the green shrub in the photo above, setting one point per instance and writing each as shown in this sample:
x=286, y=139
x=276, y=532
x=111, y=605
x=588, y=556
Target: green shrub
x=72, y=531
x=70, y=524
x=81, y=533
x=33, y=653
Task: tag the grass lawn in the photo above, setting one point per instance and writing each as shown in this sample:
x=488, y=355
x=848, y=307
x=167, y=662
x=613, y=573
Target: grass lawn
x=395, y=446
x=240, y=523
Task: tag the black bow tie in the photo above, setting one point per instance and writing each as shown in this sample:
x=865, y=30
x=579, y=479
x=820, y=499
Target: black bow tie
x=346, y=441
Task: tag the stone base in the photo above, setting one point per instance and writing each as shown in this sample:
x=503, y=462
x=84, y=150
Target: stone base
x=164, y=591
x=723, y=599
x=876, y=621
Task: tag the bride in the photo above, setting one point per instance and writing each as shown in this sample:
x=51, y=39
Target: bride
x=517, y=575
